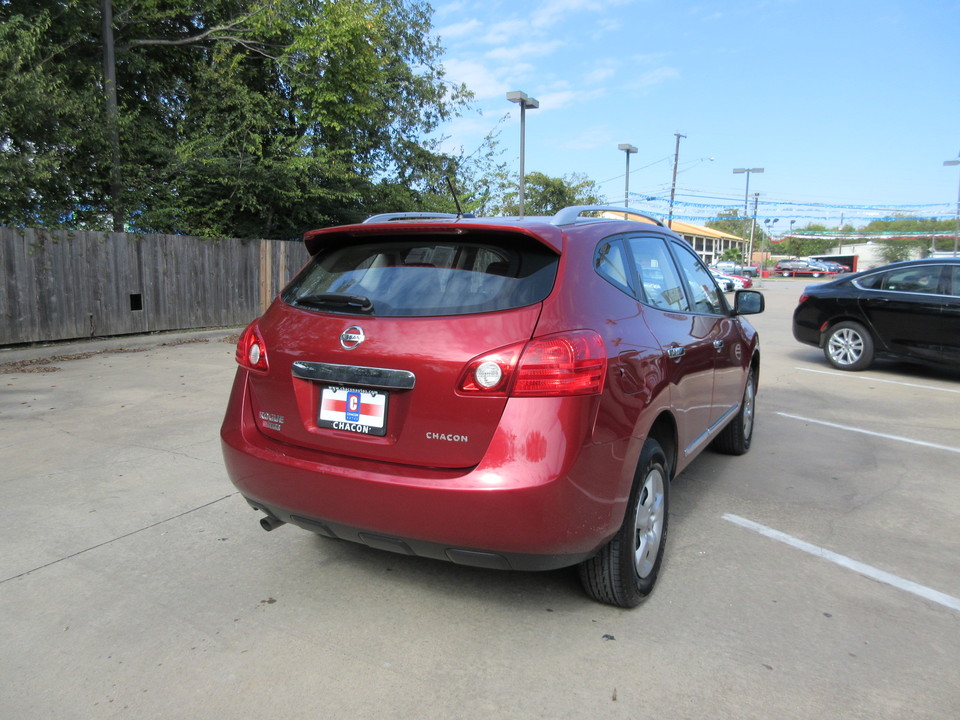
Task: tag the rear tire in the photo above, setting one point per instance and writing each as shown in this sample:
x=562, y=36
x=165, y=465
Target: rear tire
x=735, y=438
x=625, y=570
x=848, y=345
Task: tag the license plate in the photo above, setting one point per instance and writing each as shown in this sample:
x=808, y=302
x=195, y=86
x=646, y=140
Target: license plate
x=355, y=410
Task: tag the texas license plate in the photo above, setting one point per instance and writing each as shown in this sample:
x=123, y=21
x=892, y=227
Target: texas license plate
x=354, y=410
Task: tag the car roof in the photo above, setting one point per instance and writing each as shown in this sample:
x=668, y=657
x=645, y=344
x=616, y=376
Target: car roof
x=547, y=229
x=574, y=214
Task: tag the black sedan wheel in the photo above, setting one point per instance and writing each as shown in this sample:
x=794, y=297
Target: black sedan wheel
x=848, y=346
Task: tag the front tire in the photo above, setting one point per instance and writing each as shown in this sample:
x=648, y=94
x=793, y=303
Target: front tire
x=735, y=438
x=848, y=346
x=625, y=570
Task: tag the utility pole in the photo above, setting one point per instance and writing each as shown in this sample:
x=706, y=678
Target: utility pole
x=673, y=185
x=746, y=198
x=753, y=226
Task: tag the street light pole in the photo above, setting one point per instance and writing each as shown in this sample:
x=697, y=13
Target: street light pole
x=673, y=185
x=628, y=149
x=746, y=196
x=956, y=237
x=525, y=102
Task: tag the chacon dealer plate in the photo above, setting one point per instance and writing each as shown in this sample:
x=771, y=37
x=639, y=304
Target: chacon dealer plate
x=357, y=410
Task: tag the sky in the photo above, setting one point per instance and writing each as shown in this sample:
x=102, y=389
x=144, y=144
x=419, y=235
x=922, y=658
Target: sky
x=849, y=106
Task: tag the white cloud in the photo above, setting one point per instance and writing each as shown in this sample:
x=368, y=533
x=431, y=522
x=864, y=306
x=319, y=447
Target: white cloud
x=652, y=78
x=524, y=50
x=479, y=77
x=591, y=138
x=459, y=30
x=551, y=12
x=604, y=71
x=567, y=98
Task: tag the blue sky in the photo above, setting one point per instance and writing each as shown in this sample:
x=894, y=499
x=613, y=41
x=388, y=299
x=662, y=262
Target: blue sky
x=850, y=106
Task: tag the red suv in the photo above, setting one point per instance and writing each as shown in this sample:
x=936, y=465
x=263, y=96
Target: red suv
x=499, y=392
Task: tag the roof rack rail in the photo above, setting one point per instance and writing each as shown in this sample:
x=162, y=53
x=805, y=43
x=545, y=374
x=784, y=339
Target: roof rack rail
x=402, y=216
x=570, y=215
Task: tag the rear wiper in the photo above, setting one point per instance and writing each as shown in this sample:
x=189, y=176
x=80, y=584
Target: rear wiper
x=337, y=300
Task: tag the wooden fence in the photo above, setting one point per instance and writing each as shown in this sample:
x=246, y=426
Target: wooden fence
x=63, y=284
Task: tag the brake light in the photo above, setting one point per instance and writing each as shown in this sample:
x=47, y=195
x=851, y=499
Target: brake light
x=804, y=298
x=572, y=363
x=251, y=350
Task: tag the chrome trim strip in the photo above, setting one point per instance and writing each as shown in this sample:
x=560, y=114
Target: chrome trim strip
x=712, y=430
x=354, y=375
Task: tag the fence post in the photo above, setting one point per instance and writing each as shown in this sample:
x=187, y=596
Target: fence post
x=266, y=275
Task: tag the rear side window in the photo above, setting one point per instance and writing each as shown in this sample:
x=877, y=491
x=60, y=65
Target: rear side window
x=424, y=276
x=657, y=274
x=914, y=279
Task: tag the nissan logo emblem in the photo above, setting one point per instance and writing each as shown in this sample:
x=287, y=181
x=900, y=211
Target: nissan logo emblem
x=351, y=337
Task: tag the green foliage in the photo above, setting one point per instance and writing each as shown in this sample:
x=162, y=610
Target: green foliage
x=246, y=118
x=544, y=195
x=900, y=238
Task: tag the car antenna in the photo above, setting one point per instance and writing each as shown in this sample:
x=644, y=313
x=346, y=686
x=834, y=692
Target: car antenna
x=456, y=201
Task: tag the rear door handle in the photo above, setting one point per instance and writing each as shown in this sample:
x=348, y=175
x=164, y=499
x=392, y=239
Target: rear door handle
x=675, y=353
x=718, y=345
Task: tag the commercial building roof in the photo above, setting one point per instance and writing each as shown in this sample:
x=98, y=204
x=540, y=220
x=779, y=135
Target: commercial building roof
x=684, y=228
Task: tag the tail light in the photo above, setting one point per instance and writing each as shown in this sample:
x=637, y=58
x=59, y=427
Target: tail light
x=804, y=298
x=251, y=350
x=572, y=363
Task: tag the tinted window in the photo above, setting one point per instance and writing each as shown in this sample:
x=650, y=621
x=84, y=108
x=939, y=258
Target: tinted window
x=953, y=280
x=915, y=279
x=424, y=276
x=657, y=274
x=612, y=266
x=705, y=296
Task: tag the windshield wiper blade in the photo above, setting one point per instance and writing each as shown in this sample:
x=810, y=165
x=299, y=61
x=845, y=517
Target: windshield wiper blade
x=337, y=300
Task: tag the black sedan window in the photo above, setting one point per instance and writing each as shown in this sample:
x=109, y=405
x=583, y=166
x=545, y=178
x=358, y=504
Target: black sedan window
x=953, y=280
x=914, y=279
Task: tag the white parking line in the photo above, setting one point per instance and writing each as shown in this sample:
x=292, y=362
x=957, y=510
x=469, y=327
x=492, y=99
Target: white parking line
x=935, y=446
x=858, y=376
x=849, y=563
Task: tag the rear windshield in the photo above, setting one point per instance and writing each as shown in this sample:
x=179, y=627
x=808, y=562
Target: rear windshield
x=412, y=277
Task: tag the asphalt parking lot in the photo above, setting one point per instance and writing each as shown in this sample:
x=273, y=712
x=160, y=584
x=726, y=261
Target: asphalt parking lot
x=816, y=577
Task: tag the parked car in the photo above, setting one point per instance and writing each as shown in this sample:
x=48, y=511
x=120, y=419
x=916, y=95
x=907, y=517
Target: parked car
x=502, y=393
x=907, y=310
x=724, y=282
x=800, y=266
x=831, y=266
x=740, y=282
x=734, y=268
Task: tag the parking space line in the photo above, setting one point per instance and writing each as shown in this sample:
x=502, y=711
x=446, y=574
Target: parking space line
x=849, y=563
x=935, y=446
x=858, y=376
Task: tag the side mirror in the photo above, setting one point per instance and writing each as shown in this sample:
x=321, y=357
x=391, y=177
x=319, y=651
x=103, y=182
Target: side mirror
x=748, y=302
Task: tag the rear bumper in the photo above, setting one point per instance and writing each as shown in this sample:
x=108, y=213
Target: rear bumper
x=806, y=325
x=537, y=501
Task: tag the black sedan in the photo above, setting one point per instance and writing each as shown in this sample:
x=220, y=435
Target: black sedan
x=907, y=310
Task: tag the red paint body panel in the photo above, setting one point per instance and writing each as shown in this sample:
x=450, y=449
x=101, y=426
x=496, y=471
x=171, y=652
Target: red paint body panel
x=519, y=477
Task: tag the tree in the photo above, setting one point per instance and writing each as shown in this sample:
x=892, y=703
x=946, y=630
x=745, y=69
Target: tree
x=544, y=195
x=236, y=117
